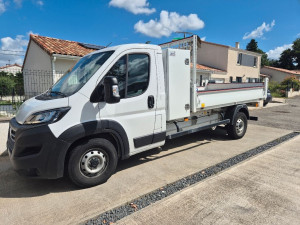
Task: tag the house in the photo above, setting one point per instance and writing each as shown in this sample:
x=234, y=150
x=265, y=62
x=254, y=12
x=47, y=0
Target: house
x=239, y=65
x=278, y=74
x=47, y=59
x=13, y=69
x=222, y=63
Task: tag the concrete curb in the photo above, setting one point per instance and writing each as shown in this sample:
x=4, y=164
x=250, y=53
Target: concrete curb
x=282, y=100
x=3, y=137
x=3, y=154
x=5, y=119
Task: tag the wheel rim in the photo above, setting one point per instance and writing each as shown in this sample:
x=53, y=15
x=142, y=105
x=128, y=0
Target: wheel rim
x=239, y=126
x=93, y=163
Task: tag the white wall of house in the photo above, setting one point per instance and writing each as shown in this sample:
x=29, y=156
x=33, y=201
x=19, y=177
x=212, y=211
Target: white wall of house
x=213, y=56
x=62, y=66
x=37, y=71
x=37, y=58
x=236, y=70
x=12, y=69
x=276, y=75
x=41, y=70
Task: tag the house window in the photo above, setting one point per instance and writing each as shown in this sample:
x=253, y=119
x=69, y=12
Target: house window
x=239, y=60
x=230, y=79
x=132, y=72
x=255, y=62
x=247, y=60
x=239, y=79
x=201, y=80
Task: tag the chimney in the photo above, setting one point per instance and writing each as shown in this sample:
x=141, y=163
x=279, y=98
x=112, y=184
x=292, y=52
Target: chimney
x=237, y=44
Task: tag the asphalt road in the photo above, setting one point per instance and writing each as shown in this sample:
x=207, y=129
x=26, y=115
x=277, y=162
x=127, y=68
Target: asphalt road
x=284, y=116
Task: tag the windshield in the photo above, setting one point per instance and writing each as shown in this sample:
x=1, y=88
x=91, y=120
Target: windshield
x=80, y=74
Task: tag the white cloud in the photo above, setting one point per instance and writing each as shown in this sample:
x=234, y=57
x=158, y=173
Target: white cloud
x=40, y=3
x=2, y=7
x=18, y=2
x=259, y=31
x=203, y=38
x=31, y=32
x=298, y=35
x=134, y=6
x=275, y=53
x=169, y=23
x=12, y=49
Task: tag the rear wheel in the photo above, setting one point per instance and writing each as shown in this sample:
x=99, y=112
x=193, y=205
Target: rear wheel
x=92, y=162
x=239, y=127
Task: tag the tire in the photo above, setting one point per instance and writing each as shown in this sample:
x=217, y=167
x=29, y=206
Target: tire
x=92, y=163
x=239, y=127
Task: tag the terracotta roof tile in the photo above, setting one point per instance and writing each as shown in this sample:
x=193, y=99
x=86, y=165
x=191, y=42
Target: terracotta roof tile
x=7, y=66
x=203, y=67
x=283, y=70
x=62, y=47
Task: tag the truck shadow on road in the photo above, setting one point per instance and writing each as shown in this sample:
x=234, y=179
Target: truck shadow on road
x=183, y=143
x=14, y=186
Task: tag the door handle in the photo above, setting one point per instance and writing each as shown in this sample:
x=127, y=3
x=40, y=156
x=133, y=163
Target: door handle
x=150, y=101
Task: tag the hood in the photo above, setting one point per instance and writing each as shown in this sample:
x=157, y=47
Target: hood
x=33, y=105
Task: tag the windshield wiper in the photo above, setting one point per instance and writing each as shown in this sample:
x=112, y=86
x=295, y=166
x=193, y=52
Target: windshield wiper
x=58, y=93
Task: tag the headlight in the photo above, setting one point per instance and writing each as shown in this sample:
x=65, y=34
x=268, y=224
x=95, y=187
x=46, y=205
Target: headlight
x=48, y=116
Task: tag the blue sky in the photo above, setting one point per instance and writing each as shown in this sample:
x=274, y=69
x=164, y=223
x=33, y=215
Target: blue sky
x=275, y=24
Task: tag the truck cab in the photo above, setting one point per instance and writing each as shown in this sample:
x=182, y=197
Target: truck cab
x=75, y=110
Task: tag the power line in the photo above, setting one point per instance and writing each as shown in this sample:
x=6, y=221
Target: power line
x=10, y=50
x=11, y=54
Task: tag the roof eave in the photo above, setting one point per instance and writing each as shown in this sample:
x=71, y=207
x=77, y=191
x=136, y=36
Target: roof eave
x=70, y=57
x=212, y=71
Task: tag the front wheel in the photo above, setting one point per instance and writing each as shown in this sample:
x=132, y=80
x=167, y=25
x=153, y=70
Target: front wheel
x=92, y=162
x=239, y=127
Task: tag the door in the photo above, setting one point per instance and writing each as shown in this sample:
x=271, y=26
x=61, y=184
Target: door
x=137, y=81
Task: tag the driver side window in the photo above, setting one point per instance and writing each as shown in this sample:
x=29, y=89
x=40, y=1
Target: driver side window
x=119, y=71
x=132, y=72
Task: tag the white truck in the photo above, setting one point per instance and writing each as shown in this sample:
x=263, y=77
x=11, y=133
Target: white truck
x=117, y=102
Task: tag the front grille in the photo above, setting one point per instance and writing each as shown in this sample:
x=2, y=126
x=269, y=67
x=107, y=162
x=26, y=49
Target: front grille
x=12, y=134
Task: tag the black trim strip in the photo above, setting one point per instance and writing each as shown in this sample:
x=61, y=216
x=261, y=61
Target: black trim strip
x=143, y=141
x=179, y=134
x=253, y=118
x=149, y=139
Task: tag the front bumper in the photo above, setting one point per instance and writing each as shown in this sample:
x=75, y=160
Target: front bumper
x=34, y=151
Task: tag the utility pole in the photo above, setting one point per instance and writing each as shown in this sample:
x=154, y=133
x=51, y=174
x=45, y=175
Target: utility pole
x=184, y=33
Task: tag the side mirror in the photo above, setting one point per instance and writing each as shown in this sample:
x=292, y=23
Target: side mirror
x=111, y=90
x=98, y=94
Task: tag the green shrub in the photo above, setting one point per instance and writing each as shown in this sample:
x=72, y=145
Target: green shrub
x=291, y=82
x=6, y=86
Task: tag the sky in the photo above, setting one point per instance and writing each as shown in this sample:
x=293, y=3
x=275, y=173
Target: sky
x=274, y=24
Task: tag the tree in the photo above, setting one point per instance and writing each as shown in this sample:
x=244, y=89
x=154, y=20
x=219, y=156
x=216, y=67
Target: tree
x=286, y=60
x=296, y=53
x=274, y=63
x=6, y=86
x=264, y=58
x=19, y=84
x=253, y=47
